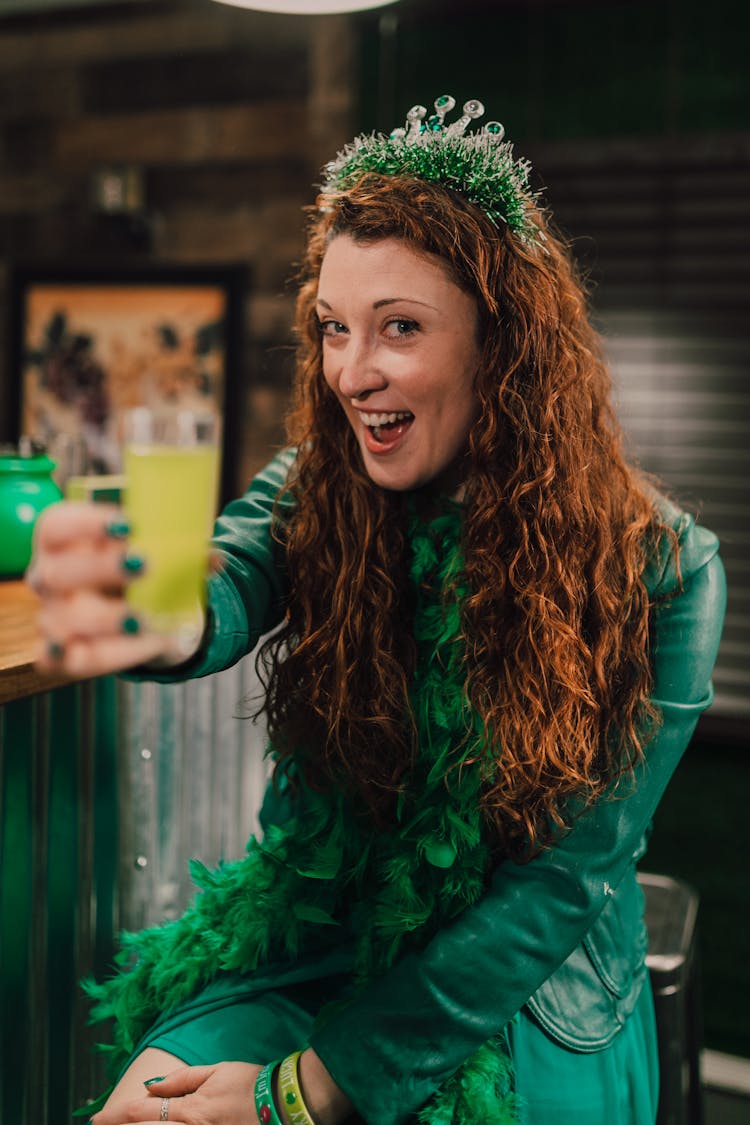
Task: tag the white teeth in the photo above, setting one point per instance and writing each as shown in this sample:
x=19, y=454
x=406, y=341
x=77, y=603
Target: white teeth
x=384, y=419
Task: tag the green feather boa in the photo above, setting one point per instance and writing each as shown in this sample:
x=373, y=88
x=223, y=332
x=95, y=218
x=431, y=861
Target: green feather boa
x=323, y=868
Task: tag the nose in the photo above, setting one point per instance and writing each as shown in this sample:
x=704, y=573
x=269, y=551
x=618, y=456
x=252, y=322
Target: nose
x=359, y=372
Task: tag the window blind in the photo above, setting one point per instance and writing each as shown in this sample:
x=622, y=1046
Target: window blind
x=663, y=230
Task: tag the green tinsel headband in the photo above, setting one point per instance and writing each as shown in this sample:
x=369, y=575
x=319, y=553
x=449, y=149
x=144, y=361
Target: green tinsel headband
x=480, y=166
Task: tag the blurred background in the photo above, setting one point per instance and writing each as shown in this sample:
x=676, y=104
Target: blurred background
x=181, y=134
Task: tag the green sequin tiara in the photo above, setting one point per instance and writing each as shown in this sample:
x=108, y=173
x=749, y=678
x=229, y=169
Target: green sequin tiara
x=480, y=166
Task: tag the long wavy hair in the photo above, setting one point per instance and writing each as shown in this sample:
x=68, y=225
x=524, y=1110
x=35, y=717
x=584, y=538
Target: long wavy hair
x=556, y=530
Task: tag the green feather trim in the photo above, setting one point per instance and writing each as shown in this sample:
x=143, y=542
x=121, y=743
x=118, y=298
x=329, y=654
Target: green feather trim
x=323, y=868
x=479, y=1091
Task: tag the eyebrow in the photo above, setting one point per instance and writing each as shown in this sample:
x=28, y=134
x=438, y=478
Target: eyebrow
x=387, y=301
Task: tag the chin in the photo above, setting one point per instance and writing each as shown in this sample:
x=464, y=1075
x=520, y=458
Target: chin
x=448, y=479
x=392, y=482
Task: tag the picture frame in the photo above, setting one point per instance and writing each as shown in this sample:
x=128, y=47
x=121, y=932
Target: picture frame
x=86, y=345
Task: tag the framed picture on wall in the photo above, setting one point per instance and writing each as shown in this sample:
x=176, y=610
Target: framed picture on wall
x=86, y=346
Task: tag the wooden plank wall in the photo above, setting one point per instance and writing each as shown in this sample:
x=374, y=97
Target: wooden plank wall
x=230, y=115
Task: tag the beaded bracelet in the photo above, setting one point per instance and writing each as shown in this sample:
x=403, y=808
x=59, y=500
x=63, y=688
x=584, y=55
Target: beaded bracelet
x=263, y=1093
x=290, y=1094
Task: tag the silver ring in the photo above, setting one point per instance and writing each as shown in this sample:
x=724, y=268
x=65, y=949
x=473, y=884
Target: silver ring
x=164, y=1111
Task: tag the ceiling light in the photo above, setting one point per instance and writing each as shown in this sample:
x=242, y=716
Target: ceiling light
x=308, y=7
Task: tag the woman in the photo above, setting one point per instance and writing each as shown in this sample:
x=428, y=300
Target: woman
x=495, y=642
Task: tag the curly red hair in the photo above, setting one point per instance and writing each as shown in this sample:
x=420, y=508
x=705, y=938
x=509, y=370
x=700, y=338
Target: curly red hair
x=556, y=531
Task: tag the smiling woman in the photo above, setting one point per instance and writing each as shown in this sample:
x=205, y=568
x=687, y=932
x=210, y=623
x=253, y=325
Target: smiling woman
x=488, y=643
x=400, y=352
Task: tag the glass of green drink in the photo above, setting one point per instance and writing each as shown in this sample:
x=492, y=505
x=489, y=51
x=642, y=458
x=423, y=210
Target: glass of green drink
x=171, y=461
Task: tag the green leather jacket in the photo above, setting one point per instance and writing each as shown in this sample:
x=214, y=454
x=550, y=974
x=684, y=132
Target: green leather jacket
x=564, y=934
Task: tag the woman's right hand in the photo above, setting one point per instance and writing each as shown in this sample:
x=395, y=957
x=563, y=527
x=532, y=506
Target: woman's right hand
x=80, y=569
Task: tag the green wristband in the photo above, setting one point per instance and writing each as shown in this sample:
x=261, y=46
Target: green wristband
x=264, y=1103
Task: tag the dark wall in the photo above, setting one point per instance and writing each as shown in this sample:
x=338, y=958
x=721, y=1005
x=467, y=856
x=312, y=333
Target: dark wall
x=568, y=69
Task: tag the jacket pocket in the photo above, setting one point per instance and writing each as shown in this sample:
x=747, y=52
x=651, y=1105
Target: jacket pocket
x=585, y=1002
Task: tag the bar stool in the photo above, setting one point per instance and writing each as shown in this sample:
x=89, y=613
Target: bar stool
x=671, y=914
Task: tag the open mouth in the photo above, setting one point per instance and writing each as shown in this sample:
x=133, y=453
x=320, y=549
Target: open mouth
x=387, y=428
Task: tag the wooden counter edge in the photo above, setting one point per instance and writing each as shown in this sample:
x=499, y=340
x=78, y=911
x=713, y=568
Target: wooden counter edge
x=25, y=680
x=19, y=676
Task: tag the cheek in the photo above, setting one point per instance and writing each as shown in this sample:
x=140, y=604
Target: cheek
x=460, y=401
x=327, y=365
x=461, y=430
x=461, y=415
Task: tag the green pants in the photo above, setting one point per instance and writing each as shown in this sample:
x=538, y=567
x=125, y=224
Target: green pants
x=616, y=1086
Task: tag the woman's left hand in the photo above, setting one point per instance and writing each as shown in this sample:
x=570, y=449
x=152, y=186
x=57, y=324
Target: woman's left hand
x=222, y=1094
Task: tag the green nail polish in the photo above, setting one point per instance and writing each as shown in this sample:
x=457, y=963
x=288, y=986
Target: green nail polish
x=151, y=1081
x=55, y=651
x=131, y=625
x=117, y=529
x=133, y=564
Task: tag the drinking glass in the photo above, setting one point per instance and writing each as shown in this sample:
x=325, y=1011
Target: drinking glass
x=171, y=462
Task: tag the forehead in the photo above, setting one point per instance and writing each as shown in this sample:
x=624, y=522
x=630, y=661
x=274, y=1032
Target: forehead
x=383, y=265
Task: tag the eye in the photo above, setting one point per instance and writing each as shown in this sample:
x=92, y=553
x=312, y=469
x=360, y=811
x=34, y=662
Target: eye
x=331, y=327
x=400, y=327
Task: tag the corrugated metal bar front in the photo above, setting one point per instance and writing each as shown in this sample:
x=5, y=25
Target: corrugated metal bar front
x=192, y=776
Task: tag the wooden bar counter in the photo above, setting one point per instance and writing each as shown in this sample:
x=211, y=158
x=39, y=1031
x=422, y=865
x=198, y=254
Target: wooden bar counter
x=18, y=641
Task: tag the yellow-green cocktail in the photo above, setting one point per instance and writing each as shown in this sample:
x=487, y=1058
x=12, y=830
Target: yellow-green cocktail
x=171, y=469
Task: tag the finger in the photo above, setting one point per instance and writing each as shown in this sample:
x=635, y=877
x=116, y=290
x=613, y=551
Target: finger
x=85, y=657
x=185, y=1080
x=86, y=613
x=103, y=564
x=144, y=1110
x=67, y=521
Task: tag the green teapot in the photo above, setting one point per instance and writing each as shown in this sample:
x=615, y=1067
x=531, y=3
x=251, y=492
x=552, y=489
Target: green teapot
x=26, y=488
